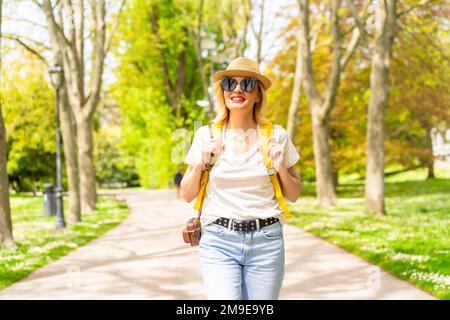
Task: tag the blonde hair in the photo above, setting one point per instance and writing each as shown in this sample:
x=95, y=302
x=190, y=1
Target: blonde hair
x=223, y=113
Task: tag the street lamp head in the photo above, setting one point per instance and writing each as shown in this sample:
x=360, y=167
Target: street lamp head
x=57, y=76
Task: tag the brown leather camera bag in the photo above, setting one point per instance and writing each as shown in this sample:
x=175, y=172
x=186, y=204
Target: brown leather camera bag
x=193, y=231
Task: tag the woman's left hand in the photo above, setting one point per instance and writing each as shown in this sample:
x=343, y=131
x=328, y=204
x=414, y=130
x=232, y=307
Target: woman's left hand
x=276, y=153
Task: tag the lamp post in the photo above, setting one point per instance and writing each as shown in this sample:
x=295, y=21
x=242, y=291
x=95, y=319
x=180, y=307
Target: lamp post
x=57, y=79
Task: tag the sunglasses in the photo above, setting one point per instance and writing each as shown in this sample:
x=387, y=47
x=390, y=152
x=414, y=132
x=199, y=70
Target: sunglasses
x=246, y=84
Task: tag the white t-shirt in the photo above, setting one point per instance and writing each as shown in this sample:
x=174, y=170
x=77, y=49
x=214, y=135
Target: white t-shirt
x=239, y=186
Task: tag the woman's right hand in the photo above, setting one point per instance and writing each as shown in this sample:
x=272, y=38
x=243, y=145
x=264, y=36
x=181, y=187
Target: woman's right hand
x=210, y=146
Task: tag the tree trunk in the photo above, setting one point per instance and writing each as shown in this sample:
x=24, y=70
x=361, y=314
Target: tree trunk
x=87, y=169
x=374, y=184
x=322, y=157
x=430, y=166
x=259, y=33
x=6, y=236
x=196, y=38
x=296, y=94
x=335, y=179
x=430, y=158
x=69, y=137
x=68, y=131
x=320, y=107
x=385, y=17
x=67, y=35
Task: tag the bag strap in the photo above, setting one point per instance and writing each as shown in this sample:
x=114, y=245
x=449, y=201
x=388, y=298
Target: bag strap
x=214, y=130
x=267, y=130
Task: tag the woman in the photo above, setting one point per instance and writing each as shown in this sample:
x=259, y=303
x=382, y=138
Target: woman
x=237, y=262
x=177, y=180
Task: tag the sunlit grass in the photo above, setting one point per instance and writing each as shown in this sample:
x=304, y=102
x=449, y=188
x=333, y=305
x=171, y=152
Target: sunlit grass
x=39, y=244
x=412, y=241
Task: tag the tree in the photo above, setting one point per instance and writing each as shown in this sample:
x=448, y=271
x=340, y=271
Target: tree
x=321, y=106
x=281, y=70
x=148, y=117
x=258, y=32
x=6, y=236
x=67, y=22
x=173, y=89
x=296, y=93
x=113, y=165
x=68, y=126
x=419, y=76
x=385, y=21
x=69, y=136
x=30, y=122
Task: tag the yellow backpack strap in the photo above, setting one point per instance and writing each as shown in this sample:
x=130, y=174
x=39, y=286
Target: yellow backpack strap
x=266, y=131
x=214, y=131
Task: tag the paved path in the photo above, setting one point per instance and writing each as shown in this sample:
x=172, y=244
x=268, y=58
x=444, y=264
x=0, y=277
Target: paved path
x=145, y=258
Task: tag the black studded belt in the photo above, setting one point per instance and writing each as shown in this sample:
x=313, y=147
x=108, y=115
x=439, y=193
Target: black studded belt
x=245, y=225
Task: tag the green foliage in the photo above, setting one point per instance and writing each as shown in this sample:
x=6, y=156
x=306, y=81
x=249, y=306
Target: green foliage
x=29, y=112
x=146, y=130
x=148, y=118
x=112, y=167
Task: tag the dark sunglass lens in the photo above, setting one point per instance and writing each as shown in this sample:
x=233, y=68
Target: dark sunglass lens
x=248, y=84
x=228, y=84
x=225, y=84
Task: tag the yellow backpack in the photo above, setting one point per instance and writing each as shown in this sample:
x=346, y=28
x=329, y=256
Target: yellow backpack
x=266, y=130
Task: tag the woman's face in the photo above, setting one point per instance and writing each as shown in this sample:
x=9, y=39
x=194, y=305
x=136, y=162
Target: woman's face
x=240, y=99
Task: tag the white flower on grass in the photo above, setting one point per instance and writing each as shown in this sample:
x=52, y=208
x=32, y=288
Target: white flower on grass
x=37, y=250
x=54, y=244
x=9, y=258
x=439, y=280
x=409, y=257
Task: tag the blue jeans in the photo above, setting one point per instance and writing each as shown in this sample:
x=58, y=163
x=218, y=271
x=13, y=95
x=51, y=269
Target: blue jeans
x=242, y=265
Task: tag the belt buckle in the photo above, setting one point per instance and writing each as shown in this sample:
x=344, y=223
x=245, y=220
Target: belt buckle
x=230, y=224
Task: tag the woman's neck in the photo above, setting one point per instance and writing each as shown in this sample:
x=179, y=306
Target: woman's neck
x=239, y=120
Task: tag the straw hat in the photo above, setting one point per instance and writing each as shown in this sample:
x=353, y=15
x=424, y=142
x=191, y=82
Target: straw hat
x=243, y=67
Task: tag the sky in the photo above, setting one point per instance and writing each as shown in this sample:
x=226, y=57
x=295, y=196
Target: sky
x=273, y=26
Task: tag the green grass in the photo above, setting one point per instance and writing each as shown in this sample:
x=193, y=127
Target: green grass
x=412, y=241
x=39, y=244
